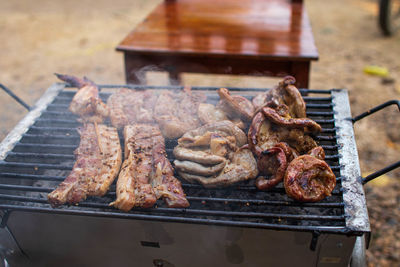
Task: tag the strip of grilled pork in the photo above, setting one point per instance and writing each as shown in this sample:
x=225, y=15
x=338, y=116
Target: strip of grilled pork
x=146, y=173
x=98, y=160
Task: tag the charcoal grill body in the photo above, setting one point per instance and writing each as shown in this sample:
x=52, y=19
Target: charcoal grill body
x=238, y=226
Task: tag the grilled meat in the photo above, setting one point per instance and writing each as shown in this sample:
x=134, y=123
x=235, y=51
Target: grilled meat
x=235, y=107
x=86, y=103
x=223, y=128
x=197, y=155
x=268, y=129
x=272, y=162
x=241, y=167
x=163, y=181
x=128, y=107
x=133, y=185
x=209, y=113
x=276, y=139
x=211, y=155
x=146, y=173
x=176, y=113
x=97, y=164
x=285, y=93
x=309, y=179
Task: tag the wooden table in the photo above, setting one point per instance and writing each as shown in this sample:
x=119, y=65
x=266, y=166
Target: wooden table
x=244, y=37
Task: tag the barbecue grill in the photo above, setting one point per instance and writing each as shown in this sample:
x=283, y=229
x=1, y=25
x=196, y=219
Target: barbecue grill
x=235, y=226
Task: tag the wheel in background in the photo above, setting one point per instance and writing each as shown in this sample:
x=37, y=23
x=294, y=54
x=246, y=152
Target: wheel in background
x=389, y=16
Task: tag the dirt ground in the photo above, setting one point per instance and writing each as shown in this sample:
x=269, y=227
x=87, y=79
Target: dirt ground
x=41, y=37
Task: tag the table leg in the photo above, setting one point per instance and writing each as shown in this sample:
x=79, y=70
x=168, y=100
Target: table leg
x=174, y=78
x=135, y=71
x=301, y=71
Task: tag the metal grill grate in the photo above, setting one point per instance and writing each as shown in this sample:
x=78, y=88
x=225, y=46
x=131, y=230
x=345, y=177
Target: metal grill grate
x=43, y=157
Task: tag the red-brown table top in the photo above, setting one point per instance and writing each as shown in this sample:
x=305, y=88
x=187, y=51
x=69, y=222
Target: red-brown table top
x=243, y=28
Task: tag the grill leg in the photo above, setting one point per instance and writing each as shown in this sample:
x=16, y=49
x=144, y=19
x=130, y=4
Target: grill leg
x=358, y=258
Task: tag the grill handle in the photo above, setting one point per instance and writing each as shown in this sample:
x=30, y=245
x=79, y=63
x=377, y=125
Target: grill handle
x=365, y=114
x=16, y=98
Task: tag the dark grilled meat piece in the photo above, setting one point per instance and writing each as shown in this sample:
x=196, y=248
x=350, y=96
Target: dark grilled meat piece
x=264, y=134
x=309, y=179
x=97, y=164
x=86, y=103
x=129, y=106
x=285, y=93
x=272, y=162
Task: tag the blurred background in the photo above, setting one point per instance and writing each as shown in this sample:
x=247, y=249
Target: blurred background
x=75, y=37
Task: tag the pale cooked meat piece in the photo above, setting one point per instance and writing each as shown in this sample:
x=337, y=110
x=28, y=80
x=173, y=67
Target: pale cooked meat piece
x=176, y=113
x=86, y=102
x=163, y=180
x=130, y=106
x=235, y=106
x=242, y=167
x=97, y=164
x=196, y=155
x=146, y=174
x=211, y=155
x=133, y=185
x=193, y=167
x=224, y=128
x=111, y=153
x=208, y=113
x=285, y=93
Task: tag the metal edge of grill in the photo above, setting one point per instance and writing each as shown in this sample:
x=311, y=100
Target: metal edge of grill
x=353, y=225
x=23, y=126
x=353, y=192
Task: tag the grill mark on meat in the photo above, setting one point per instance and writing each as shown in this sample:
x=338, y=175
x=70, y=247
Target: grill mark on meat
x=93, y=171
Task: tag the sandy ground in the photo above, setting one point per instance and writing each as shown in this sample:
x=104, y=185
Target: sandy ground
x=78, y=37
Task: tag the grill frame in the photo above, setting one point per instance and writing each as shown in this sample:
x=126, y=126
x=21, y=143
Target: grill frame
x=354, y=204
